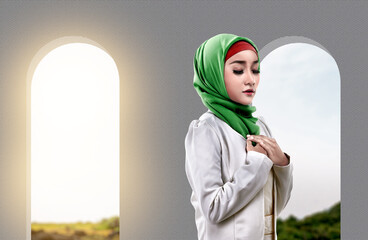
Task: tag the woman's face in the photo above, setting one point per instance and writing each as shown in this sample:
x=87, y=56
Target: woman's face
x=241, y=76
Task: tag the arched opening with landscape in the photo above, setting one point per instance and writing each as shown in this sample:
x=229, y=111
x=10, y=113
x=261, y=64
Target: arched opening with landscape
x=299, y=97
x=73, y=141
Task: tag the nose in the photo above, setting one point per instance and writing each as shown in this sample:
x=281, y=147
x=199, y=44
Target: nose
x=249, y=78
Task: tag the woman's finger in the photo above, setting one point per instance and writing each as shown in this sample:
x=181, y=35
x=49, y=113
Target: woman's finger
x=268, y=148
x=271, y=147
x=250, y=144
x=259, y=138
x=269, y=144
x=257, y=148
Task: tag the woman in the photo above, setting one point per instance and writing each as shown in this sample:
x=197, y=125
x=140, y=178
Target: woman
x=240, y=178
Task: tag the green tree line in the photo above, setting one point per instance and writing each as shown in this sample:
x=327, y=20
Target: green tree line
x=323, y=225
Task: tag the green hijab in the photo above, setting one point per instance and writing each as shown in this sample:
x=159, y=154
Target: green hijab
x=209, y=61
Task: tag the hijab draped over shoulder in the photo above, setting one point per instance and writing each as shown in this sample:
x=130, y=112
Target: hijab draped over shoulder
x=209, y=61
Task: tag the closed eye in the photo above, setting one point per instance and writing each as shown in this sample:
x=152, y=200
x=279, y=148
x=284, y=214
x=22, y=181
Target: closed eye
x=256, y=71
x=238, y=72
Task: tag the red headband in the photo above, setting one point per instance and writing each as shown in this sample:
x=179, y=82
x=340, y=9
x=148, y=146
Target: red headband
x=238, y=47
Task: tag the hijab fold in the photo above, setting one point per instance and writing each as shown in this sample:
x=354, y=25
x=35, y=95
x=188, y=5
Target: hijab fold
x=209, y=62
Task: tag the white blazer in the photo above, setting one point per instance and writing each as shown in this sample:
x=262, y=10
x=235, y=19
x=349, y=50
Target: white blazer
x=227, y=182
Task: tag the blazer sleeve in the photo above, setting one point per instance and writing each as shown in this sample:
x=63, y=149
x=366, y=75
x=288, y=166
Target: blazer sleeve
x=283, y=176
x=217, y=199
x=284, y=184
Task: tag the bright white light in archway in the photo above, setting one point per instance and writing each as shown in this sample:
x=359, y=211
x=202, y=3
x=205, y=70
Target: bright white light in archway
x=75, y=135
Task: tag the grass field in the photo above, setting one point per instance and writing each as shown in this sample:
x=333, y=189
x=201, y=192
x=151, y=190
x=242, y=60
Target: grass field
x=106, y=229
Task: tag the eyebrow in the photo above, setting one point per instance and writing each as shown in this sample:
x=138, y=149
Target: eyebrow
x=242, y=62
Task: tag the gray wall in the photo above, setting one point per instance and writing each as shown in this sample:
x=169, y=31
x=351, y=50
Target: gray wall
x=153, y=45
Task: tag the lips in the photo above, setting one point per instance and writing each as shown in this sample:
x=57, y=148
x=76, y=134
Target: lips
x=249, y=91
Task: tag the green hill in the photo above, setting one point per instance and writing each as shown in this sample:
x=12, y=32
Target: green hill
x=106, y=229
x=323, y=225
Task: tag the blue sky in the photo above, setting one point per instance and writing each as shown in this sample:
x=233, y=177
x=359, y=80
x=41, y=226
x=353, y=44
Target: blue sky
x=299, y=97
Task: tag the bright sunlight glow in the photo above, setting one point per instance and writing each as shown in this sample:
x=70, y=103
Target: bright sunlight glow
x=75, y=135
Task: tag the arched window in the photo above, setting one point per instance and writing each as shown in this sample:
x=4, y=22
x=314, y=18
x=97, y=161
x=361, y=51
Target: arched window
x=73, y=134
x=299, y=97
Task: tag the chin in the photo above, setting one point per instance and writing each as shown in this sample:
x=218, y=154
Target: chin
x=246, y=102
x=243, y=101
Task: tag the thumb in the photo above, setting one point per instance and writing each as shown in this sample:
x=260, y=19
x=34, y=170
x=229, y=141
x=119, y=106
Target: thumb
x=250, y=144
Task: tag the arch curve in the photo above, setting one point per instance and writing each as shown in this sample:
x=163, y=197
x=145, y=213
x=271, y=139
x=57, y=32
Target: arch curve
x=287, y=40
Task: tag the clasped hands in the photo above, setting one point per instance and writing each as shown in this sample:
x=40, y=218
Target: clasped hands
x=269, y=147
